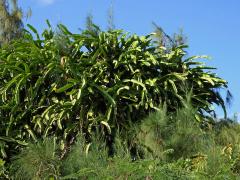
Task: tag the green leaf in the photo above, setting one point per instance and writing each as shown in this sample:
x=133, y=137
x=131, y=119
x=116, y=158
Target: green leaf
x=135, y=82
x=81, y=88
x=12, y=82
x=48, y=23
x=107, y=126
x=173, y=86
x=64, y=29
x=33, y=30
x=31, y=133
x=122, y=88
x=197, y=57
x=105, y=95
x=9, y=139
x=60, y=118
x=210, y=80
x=109, y=112
x=65, y=88
x=17, y=90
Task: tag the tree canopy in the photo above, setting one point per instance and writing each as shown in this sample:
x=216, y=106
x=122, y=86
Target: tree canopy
x=11, y=24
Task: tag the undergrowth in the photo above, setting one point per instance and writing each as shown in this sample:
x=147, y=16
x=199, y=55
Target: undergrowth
x=172, y=146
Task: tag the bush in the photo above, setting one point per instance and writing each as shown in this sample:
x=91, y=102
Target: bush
x=37, y=161
x=63, y=83
x=185, y=151
x=176, y=135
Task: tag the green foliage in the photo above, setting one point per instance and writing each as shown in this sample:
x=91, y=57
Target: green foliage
x=171, y=150
x=3, y=171
x=85, y=159
x=37, y=161
x=83, y=162
x=175, y=135
x=63, y=84
x=211, y=153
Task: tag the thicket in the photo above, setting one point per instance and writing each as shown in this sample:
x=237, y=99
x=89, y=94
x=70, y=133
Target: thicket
x=115, y=87
x=176, y=150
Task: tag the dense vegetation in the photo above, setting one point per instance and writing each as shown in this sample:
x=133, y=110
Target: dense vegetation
x=113, y=105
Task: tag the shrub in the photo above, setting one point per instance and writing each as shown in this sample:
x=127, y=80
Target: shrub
x=37, y=161
x=174, y=136
x=67, y=84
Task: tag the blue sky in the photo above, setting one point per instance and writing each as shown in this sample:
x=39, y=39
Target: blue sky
x=212, y=26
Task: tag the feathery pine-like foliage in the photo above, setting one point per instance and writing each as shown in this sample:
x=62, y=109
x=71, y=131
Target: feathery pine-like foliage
x=66, y=84
x=85, y=161
x=175, y=135
x=37, y=161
